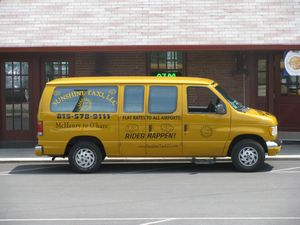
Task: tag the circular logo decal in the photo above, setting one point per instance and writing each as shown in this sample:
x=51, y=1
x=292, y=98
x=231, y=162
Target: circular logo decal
x=206, y=131
x=292, y=63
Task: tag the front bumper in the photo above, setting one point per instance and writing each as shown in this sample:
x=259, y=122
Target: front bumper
x=38, y=150
x=273, y=147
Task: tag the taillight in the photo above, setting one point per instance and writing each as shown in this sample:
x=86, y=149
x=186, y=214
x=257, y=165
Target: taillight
x=40, y=128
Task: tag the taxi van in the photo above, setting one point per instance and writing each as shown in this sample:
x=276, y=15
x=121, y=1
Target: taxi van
x=89, y=118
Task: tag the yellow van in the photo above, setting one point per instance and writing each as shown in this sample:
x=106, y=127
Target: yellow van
x=89, y=118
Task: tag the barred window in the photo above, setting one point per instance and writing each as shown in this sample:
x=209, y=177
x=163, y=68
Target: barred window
x=58, y=69
x=166, y=63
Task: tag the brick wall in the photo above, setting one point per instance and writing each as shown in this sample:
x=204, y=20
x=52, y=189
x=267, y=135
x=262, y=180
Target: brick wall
x=85, y=64
x=122, y=64
x=129, y=22
x=218, y=66
x=110, y=64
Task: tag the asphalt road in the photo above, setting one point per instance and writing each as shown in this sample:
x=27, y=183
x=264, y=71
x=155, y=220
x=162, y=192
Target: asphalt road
x=150, y=193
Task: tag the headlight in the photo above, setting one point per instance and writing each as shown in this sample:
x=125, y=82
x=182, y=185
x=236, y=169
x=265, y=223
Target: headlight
x=273, y=131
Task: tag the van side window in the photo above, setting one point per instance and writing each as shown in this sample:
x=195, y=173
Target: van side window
x=85, y=99
x=134, y=99
x=201, y=100
x=162, y=99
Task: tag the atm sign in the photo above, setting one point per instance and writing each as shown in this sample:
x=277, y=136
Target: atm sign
x=166, y=74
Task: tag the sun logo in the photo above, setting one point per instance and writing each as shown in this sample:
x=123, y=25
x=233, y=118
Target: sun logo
x=206, y=131
x=85, y=104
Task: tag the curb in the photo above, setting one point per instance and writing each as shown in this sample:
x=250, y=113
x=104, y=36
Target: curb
x=146, y=159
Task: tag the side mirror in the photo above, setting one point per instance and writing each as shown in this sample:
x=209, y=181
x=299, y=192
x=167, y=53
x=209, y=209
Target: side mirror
x=220, y=109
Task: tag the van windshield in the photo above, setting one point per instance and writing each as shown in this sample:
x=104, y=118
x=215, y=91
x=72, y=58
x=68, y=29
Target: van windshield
x=235, y=104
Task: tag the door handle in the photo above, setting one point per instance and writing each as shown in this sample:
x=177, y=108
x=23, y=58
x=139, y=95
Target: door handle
x=150, y=128
x=185, y=127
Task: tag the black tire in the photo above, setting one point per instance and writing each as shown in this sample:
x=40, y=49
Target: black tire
x=248, y=155
x=85, y=157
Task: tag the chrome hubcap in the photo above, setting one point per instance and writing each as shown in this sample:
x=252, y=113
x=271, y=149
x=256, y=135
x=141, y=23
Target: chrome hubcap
x=85, y=158
x=248, y=156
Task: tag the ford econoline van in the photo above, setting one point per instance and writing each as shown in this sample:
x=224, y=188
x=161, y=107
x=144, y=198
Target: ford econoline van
x=89, y=118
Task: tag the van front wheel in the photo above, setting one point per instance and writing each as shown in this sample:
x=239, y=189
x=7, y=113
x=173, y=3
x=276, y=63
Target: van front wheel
x=85, y=157
x=248, y=155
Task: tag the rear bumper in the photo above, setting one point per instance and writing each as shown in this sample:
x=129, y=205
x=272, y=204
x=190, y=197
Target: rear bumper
x=38, y=150
x=273, y=147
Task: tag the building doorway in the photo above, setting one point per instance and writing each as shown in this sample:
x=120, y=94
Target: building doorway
x=276, y=92
x=18, y=99
x=287, y=97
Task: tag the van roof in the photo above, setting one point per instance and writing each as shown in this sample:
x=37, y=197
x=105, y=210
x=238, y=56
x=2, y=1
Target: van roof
x=130, y=80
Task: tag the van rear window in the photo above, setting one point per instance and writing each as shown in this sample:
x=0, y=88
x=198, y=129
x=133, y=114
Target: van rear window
x=85, y=99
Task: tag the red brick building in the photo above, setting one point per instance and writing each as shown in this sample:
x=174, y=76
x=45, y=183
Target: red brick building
x=239, y=43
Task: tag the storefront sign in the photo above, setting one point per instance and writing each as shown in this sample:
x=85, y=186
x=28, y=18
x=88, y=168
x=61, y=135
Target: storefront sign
x=166, y=74
x=292, y=63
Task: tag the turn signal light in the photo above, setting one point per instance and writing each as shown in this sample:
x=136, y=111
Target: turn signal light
x=273, y=131
x=40, y=128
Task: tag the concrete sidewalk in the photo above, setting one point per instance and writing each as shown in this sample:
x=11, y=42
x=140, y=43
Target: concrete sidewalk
x=289, y=151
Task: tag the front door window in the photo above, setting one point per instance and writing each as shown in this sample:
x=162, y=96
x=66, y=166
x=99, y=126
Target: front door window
x=16, y=96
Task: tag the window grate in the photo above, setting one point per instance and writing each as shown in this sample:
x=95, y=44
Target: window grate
x=169, y=62
x=56, y=69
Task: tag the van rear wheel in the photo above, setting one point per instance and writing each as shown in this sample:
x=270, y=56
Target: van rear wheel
x=248, y=155
x=85, y=157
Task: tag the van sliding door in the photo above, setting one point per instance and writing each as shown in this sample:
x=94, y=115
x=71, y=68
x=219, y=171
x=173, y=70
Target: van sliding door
x=164, y=120
x=132, y=121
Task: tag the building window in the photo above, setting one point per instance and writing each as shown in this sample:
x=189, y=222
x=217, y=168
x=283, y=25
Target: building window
x=57, y=69
x=262, y=77
x=166, y=63
x=290, y=85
